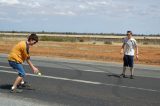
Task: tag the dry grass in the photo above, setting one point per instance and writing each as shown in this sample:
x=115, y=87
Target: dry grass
x=86, y=51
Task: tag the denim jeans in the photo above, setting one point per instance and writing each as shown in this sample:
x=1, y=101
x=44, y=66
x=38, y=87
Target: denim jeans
x=18, y=67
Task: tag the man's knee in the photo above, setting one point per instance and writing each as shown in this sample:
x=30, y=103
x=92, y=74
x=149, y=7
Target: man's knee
x=22, y=74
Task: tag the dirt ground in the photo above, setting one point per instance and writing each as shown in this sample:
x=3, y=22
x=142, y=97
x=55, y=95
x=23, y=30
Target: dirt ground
x=87, y=51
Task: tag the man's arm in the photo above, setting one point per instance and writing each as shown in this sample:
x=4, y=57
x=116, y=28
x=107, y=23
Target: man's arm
x=122, y=48
x=34, y=69
x=137, y=52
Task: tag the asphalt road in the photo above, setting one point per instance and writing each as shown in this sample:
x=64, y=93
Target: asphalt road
x=83, y=83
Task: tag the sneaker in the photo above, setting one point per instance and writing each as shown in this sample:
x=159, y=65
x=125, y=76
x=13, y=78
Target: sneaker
x=16, y=90
x=123, y=75
x=131, y=77
x=25, y=85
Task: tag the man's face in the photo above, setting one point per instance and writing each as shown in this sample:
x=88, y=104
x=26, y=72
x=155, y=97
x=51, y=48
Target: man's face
x=32, y=42
x=129, y=35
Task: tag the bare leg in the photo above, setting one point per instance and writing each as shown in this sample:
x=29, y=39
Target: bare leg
x=17, y=81
x=132, y=70
x=124, y=70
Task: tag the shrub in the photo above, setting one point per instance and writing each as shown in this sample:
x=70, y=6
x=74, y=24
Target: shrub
x=81, y=40
x=108, y=42
x=57, y=39
x=145, y=43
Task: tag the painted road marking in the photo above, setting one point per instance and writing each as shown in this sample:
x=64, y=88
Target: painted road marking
x=78, y=70
x=4, y=67
x=83, y=81
x=94, y=71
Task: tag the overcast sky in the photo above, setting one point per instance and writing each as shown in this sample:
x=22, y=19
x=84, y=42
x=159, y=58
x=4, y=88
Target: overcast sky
x=95, y=16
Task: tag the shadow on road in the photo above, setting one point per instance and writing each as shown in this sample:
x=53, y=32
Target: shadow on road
x=114, y=75
x=6, y=86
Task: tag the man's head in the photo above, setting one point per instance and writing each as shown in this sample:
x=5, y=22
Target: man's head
x=32, y=39
x=129, y=34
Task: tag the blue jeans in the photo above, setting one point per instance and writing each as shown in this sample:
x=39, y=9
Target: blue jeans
x=18, y=67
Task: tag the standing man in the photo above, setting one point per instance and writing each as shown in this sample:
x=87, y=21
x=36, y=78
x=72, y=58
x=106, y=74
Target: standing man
x=17, y=56
x=129, y=44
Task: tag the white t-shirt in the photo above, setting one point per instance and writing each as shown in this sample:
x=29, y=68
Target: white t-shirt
x=129, y=45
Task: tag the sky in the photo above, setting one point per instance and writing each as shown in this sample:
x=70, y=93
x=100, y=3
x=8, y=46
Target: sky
x=81, y=16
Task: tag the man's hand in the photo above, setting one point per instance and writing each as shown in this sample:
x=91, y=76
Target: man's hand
x=137, y=56
x=35, y=70
x=121, y=52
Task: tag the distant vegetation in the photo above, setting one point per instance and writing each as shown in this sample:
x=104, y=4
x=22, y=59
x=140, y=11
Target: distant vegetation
x=58, y=38
x=75, y=33
x=86, y=37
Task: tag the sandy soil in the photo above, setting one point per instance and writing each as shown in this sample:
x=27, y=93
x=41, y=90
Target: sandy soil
x=87, y=51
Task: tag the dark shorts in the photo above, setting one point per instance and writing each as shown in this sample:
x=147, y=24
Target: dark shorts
x=128, y=61
x=18, y=67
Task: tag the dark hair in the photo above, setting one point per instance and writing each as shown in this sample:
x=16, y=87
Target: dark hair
x=33, y=36
x=129, y=32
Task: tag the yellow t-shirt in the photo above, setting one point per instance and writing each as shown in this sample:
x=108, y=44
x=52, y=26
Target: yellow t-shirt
x=20, y=52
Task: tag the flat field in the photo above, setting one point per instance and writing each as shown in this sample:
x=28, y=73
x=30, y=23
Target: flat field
x=148, y=54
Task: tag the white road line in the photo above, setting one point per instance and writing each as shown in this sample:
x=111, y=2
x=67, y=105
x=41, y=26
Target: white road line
x=84, y=81
x=94, y=71
x=79, y=70
x=4, y=67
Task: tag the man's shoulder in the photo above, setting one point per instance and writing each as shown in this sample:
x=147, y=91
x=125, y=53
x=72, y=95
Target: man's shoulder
x=21, y=44
x=125, y=39
x=133, y=39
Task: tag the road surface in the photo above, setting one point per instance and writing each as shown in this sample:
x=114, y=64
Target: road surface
x=81, y=83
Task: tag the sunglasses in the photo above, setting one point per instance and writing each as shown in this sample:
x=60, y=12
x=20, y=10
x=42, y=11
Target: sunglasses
x=129, y=34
